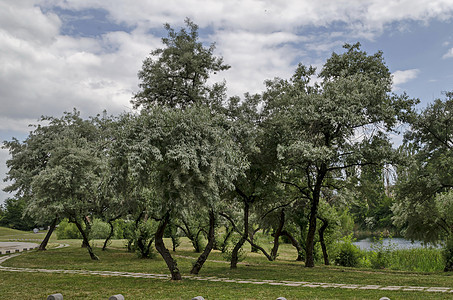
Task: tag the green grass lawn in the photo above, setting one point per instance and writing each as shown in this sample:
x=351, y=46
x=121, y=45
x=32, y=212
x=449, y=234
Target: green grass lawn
x=7, y=234
x=255, y=266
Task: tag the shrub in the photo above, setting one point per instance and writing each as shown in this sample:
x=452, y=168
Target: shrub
x=448, y=255
x=66, y=230
x=99, y=230
x=380, y=256
x=140, y=237
x=227, y=254
x=119, y=229
x=348, y=254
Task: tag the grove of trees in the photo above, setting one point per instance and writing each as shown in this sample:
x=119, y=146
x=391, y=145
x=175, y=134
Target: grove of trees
x=300, y=161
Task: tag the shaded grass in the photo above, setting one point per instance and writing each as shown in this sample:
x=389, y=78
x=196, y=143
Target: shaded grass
x=77, y=258
x=255, y=266
x=39, y=286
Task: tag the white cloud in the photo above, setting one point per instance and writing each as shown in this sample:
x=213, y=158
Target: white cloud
x=401, y=77
x=54, y=73
x=268, y=15
x=43, y=72
x=449, y=54
x=255, y=58
x=27, y=22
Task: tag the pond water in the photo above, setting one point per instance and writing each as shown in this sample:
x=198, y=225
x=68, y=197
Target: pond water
x=397, y=243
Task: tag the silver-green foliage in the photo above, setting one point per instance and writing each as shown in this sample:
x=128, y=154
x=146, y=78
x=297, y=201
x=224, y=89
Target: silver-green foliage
x=424, y=188
x=339, y=123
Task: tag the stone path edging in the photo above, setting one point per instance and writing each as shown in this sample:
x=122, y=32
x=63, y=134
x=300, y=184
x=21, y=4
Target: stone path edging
x=229, y=280
x=23, y=247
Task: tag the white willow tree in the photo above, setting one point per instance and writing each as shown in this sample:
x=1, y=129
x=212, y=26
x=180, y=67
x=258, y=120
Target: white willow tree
x=424, y=187
x=59, y=168
x=186, y=158
x=339, y=123
x=188, y=150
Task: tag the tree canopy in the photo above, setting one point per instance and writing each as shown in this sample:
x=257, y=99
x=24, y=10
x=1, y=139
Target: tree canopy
x=279, y=161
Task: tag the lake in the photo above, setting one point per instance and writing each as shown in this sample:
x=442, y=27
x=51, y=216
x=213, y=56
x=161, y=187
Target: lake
x=398, y=243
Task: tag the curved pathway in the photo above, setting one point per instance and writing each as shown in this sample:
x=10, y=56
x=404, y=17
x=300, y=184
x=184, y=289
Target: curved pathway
x=222, y=279
x=12, y=247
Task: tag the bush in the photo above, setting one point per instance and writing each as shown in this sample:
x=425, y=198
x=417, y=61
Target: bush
x=140, y=238
x=448, y=255
x=227, y=254
x=348, y=254
x=380, y=256
x=119, y=229
x=99, y=230
x=66, y=230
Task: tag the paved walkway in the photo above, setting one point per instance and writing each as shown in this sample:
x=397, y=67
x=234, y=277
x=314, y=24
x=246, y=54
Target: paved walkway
x=12, y=247
x=222, y=279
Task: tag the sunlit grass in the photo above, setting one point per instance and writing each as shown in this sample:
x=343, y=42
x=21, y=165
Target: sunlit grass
x=7, y=234
x=417, y=259
x=254, y=266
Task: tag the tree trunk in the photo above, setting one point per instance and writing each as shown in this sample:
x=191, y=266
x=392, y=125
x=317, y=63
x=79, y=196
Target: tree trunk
x=321, y=231
x=235, y=252
x=277, y=234
x=247, y=239
x=194, y=238
x=211, y=237
x=251, y=238
x=46, y=239
x=109, y=236
x=268, y=256
x=86, y=242
x=160, y=246
x=309, y=258
x=129, y=245
x=174, y=243
x=228, y=234
x=296, y=244
x=197, y=242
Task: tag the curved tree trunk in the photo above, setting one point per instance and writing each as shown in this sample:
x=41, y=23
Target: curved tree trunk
x=296, y=244
x=211, y=237
x=160, y=246
x=194, y=238
x=321, y=231
x=251, y=238
x=86, y=242
x=268, y=256
x=109, y=236
x=228, y=234
x=235, y=252
x=46, y=239
x=277, y=234
x=248, y=239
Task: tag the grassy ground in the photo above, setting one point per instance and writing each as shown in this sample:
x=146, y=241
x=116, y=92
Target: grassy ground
x=7, y=234
x=255, y=266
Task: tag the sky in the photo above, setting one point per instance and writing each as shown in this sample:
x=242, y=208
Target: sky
x=56, y=55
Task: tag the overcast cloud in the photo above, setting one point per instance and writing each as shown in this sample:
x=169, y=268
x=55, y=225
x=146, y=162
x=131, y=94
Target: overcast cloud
x=56, y=55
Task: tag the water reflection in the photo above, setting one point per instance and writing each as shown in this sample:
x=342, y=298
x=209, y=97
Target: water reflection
x=397, y=243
